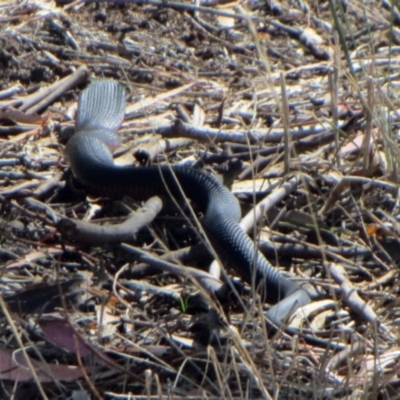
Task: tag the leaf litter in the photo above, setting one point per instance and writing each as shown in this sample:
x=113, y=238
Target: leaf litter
x=205, y=82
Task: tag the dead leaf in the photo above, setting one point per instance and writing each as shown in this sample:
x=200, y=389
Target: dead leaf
x=61, y=334
x=14, y=367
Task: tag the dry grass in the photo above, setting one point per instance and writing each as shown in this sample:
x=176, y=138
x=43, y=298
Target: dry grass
x=305, y=95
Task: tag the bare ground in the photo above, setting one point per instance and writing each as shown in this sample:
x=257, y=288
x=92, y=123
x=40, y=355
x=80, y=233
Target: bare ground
x=263, y=94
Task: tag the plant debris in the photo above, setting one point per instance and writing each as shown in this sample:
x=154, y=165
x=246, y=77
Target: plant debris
x=295, y=106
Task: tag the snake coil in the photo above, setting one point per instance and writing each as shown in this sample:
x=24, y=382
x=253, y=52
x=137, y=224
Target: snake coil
x=89, y=152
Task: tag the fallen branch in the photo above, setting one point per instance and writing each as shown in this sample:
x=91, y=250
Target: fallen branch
x=41, y=99
x=350, y=296
x=206, y=281
x=88, y=232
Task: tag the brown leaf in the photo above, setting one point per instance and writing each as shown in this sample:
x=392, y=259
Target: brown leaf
x=61, y=334
x=14, y=367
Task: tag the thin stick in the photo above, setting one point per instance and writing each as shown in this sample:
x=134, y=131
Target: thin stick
x=286, y=129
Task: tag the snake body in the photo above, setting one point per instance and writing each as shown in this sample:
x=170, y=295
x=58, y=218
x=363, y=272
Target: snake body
x=89, y=152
